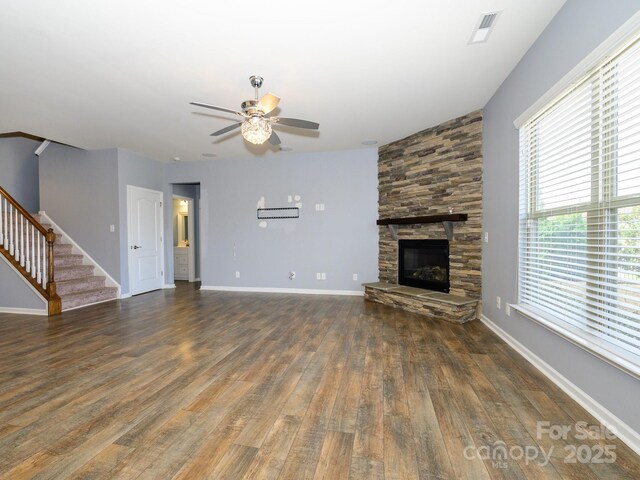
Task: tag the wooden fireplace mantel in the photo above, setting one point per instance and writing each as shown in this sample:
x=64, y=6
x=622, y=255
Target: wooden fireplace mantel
x=452, y=217
x=447, y=221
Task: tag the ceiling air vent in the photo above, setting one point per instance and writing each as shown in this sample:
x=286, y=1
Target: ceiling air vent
x=484, y=26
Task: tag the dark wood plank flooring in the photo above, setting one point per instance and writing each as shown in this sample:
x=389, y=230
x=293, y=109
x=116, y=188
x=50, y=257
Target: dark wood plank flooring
x=190, y=385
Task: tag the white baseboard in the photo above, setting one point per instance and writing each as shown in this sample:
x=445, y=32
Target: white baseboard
x=623, y=431
x=301, y=291
x=129, y=295
x=23, y=311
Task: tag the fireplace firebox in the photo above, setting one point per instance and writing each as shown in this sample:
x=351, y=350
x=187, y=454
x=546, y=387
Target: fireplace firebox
x=424, y=264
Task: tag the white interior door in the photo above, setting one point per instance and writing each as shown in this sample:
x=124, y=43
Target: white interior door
x=145, y=240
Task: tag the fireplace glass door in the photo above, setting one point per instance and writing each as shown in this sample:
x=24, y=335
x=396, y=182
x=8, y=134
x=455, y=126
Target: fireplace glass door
x=424, y=264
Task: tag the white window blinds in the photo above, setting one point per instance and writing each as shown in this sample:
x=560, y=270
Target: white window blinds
x=580, y=205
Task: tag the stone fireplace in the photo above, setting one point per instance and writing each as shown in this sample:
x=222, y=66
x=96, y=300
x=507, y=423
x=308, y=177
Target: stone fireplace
x=433, y=173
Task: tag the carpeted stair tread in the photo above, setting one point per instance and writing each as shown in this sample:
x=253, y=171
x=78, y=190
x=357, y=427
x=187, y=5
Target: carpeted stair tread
x=72, y=272
x=89, y=296
x=76, y=285
x=67, y=260
x=62, y=248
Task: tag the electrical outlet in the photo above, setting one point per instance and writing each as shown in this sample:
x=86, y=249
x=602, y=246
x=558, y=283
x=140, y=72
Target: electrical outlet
x=237, y=274
x=498, y=302
x=486, y=237
x=292, y=275
x=507, y=309
x=355, y=277
x=324, y=276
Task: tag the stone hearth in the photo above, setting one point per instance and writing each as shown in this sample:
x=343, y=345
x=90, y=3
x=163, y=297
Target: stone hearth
x=442, y=306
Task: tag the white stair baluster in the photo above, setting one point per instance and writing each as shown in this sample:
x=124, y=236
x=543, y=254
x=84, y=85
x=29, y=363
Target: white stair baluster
x=17, y=236
x=1, y=222
x=10, y=229
x=33, y=251
x=6, y=225
x=22, y=222
x=39, y=276
x=27, y=264
x=44, y=262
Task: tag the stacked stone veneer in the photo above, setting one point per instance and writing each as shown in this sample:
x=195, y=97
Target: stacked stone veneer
x=426, y=174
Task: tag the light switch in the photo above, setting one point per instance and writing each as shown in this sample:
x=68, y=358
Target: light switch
x=112, y=228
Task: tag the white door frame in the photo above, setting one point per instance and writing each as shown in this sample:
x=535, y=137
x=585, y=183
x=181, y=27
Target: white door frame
x=192, y=237
x=130, y=228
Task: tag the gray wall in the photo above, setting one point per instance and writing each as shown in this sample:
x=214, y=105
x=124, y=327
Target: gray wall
x=579, y=27
x=340, y=241
x=19, y=171
x=15, y=293
x=79, y=191
x=138, y=171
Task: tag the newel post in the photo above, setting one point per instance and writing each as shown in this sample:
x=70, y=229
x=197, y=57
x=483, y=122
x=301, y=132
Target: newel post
x=50, y=237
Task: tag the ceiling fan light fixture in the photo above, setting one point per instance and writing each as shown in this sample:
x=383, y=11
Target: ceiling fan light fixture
x=255, y=127
x=256, y=130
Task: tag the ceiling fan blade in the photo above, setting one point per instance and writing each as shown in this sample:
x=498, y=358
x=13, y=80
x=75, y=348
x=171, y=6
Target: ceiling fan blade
x=222, y=109
x=268, y=102
x=294, y=122
x=226, y=129
x=274, y=139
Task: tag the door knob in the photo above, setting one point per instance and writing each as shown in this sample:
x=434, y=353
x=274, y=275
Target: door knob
x=135, y=247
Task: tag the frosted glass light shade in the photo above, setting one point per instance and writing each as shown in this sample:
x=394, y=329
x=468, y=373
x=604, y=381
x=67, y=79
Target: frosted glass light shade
x=256, y=130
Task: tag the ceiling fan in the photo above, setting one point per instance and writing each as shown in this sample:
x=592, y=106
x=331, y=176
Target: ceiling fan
x=256, y=124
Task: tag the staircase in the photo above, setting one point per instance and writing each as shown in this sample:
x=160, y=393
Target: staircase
x=58, y=270
x=76, y=282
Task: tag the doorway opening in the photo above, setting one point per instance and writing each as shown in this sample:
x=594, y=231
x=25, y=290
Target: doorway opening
x=186, y=232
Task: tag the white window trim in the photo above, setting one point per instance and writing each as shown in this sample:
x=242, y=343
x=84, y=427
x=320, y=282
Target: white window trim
x=616, y=40
x=613, y=355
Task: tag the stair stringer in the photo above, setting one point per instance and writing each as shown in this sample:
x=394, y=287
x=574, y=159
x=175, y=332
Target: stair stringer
x=109, y=280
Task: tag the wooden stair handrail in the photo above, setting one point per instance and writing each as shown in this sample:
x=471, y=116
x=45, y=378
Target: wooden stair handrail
x=24, y=213
x=54, y=303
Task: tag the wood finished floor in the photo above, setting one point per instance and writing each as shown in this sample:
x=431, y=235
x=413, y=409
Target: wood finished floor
x=191, y=385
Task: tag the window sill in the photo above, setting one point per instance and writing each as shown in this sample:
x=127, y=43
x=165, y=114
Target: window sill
x=617, y=357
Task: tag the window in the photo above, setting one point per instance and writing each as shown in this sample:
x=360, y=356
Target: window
x=579, y=260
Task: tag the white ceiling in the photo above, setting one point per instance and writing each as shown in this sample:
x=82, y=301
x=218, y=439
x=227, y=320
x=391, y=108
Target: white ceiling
x=116, y=73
